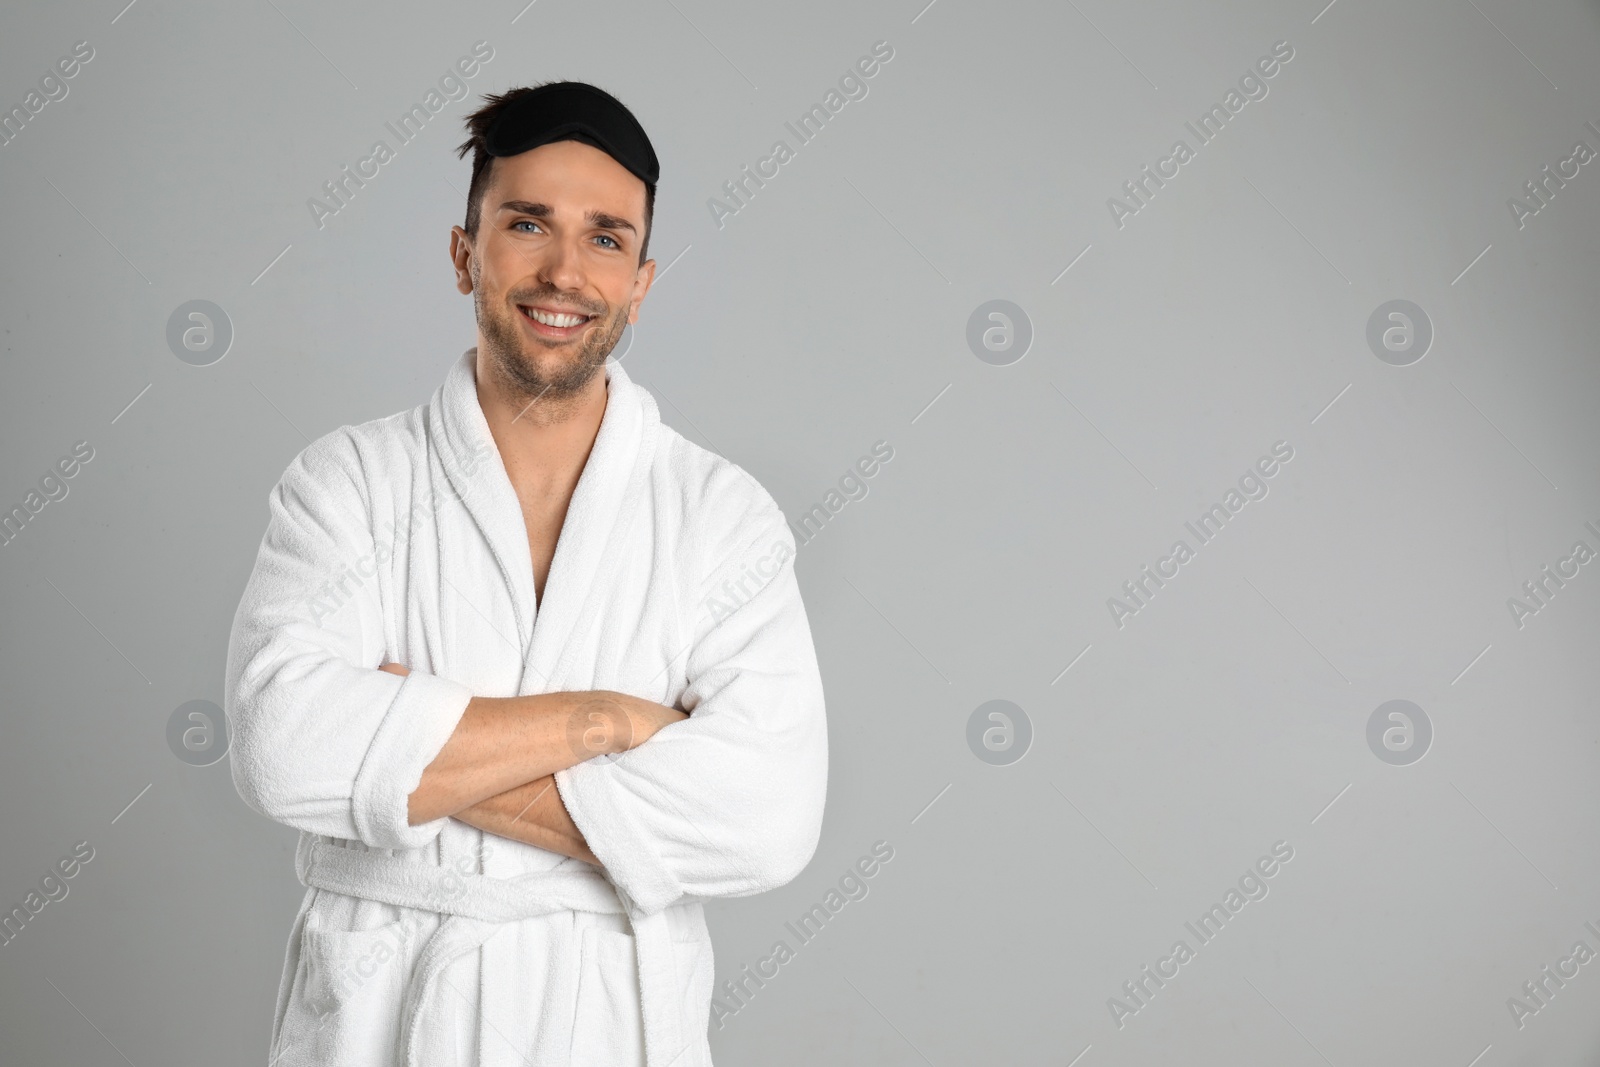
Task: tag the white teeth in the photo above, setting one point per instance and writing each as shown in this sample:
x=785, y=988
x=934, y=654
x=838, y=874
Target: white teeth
x=561, y=321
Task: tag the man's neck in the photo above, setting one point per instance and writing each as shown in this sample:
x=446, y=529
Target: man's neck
x=544, y=441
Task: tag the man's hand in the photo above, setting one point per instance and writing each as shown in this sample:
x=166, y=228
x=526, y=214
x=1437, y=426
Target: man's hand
x=642, y=719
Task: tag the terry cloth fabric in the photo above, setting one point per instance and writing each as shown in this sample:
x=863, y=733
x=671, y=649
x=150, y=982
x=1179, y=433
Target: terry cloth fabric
x=402, y=540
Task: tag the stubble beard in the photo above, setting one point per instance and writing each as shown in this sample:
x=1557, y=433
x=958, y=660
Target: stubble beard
x=516, y=357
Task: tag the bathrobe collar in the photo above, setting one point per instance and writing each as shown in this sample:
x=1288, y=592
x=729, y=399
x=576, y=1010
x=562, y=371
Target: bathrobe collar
x=607, y=495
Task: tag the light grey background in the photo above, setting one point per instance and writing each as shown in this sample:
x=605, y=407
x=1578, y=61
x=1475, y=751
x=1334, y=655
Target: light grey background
x=830, y=313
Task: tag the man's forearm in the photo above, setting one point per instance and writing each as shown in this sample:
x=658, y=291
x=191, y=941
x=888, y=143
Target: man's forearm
x=504, y=742
x=533, y=814
x=501, y=743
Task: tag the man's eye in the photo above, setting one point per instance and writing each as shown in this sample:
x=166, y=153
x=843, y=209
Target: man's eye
x=524, y=222
x=608, y=237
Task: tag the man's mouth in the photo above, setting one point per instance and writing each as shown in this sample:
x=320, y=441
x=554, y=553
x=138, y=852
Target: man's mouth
x=552, y=323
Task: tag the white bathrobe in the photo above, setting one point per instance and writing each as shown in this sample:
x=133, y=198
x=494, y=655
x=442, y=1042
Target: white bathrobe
x=402, y=540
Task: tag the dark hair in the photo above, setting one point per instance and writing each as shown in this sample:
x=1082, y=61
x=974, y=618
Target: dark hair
x=478, y=124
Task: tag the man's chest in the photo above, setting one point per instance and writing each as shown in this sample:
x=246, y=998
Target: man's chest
x=528, y=593
x=543, y=519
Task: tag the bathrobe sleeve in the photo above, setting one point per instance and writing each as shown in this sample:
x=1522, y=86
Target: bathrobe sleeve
x=729, y=802
x=320, y=739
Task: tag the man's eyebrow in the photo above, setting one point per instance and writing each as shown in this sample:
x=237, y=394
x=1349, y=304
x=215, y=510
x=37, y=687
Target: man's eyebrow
x=609, y=222
x=544, y=211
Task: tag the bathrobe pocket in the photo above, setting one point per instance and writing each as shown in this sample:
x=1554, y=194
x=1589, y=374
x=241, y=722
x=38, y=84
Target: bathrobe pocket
x=607, y=1028
x=347, y=1008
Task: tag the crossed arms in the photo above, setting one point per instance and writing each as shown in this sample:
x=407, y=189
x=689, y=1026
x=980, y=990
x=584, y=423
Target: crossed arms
x=497, y=770
x=727, y=802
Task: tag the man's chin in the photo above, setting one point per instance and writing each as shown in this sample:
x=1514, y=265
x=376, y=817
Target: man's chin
x=559, y=361
x=553, y=369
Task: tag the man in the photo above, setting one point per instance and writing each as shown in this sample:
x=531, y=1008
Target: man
x=529, y=671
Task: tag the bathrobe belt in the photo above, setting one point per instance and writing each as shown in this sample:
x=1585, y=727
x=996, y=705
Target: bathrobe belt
x=476, y=906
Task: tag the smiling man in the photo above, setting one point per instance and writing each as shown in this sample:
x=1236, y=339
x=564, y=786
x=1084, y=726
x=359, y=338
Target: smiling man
x=520, y=752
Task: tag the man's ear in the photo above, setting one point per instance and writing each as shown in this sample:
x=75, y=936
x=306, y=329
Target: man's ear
x=641, y=284
x=461, y=258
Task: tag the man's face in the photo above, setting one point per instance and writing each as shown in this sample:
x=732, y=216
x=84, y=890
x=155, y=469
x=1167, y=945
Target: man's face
x=559, y=233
